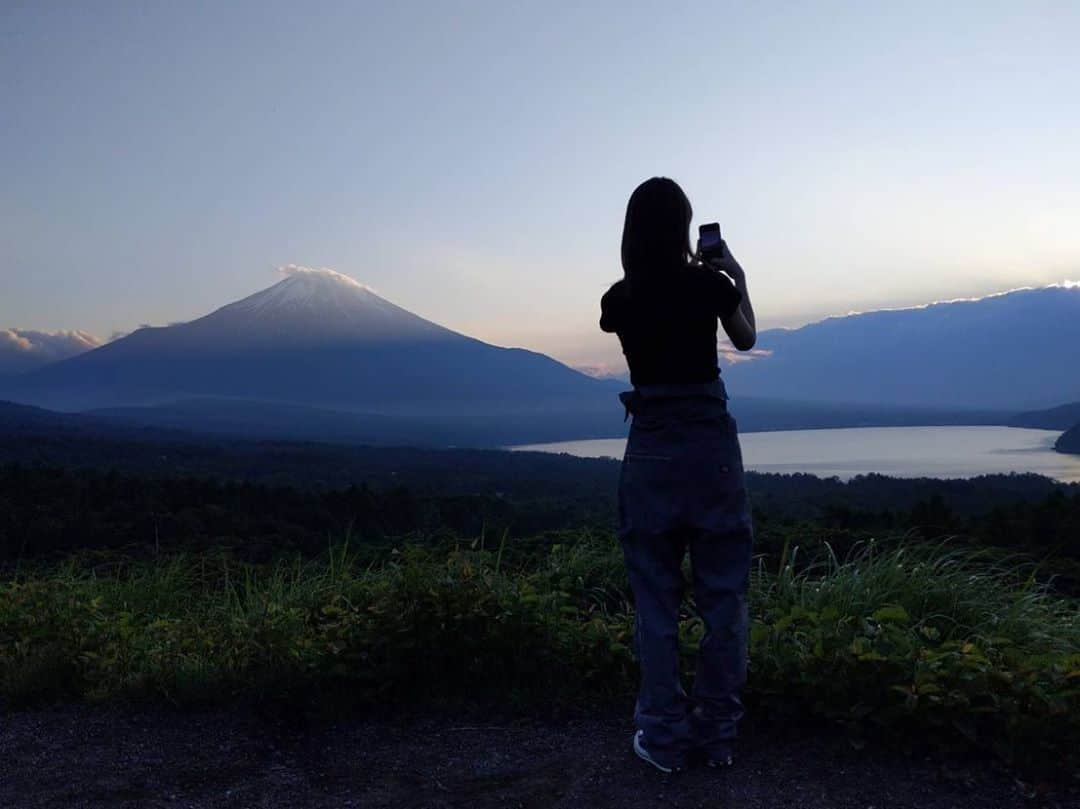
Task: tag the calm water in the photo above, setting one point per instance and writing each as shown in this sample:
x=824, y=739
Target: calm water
x=943, y=452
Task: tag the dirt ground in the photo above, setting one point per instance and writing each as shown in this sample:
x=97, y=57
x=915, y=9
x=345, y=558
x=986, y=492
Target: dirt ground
x=86, y=756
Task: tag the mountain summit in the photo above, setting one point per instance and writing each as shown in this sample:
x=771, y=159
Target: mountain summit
x=319, y=305
x=318, y=338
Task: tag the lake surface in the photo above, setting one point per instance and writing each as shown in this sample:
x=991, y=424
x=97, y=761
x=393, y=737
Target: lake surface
x=940, y=452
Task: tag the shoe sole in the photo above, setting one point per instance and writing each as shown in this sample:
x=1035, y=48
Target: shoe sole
x=643, y=754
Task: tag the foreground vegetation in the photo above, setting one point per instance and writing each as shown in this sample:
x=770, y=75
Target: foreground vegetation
x=933, y=643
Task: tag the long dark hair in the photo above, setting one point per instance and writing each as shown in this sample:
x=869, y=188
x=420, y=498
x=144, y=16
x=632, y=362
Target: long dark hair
x=656, y=233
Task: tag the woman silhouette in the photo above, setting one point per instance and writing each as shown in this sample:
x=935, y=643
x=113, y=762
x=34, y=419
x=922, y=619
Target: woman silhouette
x=681, y=484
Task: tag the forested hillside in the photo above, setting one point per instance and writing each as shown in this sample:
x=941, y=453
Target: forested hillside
x=1069, y=441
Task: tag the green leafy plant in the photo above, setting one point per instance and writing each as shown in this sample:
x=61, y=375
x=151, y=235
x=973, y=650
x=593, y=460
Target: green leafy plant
x=934, y=644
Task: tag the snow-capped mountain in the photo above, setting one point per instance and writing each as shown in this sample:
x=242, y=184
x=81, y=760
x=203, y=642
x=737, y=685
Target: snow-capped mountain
x=316, y=338
x=317, y=307
x=319, y=355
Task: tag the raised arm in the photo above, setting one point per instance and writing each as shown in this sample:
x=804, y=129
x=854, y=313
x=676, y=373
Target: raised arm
x=740, y=326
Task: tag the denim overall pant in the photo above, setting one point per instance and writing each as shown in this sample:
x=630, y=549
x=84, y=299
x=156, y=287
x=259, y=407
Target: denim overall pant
x=682, y=487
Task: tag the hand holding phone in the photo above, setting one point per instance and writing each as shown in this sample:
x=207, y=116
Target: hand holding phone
x=710, y=243
x=713, y=252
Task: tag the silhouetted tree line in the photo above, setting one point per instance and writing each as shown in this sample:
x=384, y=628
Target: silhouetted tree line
x=314, y=465
x=47, y=509
x=62, y=490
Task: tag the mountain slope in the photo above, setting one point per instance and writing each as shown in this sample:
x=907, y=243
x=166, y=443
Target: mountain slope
x=1009, y=351
x=315, y=338
x=1056, y=418
x=1069, y=441
x=17, y=419
x=319, y=356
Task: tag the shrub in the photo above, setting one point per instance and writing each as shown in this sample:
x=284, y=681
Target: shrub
x=933, y=644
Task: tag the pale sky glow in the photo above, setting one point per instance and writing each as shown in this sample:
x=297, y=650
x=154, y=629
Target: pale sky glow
x=471, y=161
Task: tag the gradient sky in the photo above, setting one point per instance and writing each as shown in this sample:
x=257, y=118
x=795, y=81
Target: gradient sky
x=472, y=161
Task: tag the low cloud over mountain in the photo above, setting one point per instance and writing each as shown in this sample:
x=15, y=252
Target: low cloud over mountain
x=24, y=349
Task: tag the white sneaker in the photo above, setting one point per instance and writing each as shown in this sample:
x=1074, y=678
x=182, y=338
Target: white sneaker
x=644, y=755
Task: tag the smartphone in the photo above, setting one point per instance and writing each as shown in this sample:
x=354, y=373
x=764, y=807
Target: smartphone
x=709, y=241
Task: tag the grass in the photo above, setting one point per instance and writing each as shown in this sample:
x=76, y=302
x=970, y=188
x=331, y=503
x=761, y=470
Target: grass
x=932, y=644
x=926, y=643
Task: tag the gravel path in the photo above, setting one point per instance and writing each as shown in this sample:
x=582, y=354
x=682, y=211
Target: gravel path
x=121, y=757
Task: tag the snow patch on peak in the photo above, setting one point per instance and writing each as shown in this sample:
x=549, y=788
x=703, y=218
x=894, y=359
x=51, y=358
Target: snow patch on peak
x=321, y=273
x=310, y=289
x=309, y=306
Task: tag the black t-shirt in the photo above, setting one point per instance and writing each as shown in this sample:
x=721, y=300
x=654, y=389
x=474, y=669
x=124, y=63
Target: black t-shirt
x=668, y=327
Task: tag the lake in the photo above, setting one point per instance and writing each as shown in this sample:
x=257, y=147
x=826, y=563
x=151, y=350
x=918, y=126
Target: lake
x=940, y=452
